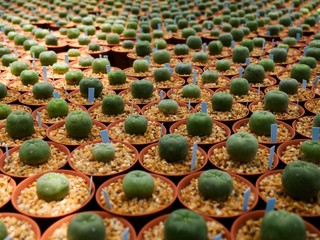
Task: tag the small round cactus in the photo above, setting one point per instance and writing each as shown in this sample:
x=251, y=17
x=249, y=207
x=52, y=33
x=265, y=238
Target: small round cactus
x=295, y=176
x=74, y=77
x=254, y=73
x=226, y=39
x=215, y=184
x=103, y=152
x=86, y=61
x=173, y=147
x=3, y=91
x=237, y=34
x=52, y=186
x=191, y=91
x=99, y=65
x=183, y=68
x=136, y=124
x=209, y=77
x=78, y=124
x=161, y=74
x=289, y=85
x=112, y=104
x=310, y=61
x=161, y=56
x=168, y=106
x=221, y=101
x=300, y=72
x=215, y=47
x=60, y=68
x=273, y=30
x=222, y=65
x=17, y=67
x=248, y=43
x=276, y=101
x=5, y=110
x=313, y=52
x=7, y=59
x=277, y=224
x=194, y=42
x=94, y=47
x=87, y=83
x=29, y=77
x=3, y=230
x=143, y=48
x=316, y=120
x=242, y=147
x=85, y=225
x=57, y=108
x=34, y=152
x=267, y=64
x=239, y=86
x=128, y=44
x=142, y=89
x=240, y=54
x=117, y=77
x=309, y=151
x=260, y=123
x=140, y=66
x=186, y=32
x=279, y=55
x=181, y=49
x=47, y=58
x=200, y=57
x=199, y=124
x=42, y=90
x=20, y=124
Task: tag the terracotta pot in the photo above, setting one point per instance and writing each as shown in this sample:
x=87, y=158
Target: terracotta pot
x=307, y=103
x=171, y=91
x=98, y=53
x=75, y=64
x=89, y=73
x=143, y=110
x=241, y=122
x=301, y=110
x=162, y=218
x=255, y=215
x=13, y=185
x=15, y=96
x=276, y=87
x=61, y=148
x=147, y=148
x=186, y=180
x=225, y=127
x=98, y=105
x=273, y=80
x=86, y=104
x=282, y=147
x=136, y=153
x=20, y=217
x=186, y=76
x=210, y=85
x=48, y=233
x=113, y=124
x=223, y=144
x=25, y=183
x=26, y=108
x=60, y=124
x=114, y=179
x=146, y=101
x=35, y=112
x=294, y=125
x=175, y=81
x=233, y=70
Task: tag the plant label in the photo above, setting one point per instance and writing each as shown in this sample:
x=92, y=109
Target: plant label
x=100, y=55
x=159, y=26
x=232, y=44
x=161, y=129
x=305, y=50
x=161, y=95
x=298, y=36
x=268, y=33
x=189, y=104
x=55, y=95
x=39, y=119
x=194, y=77
x=240, y=71
x=108, y=69
x=105, y=136
x=271, y=57
x=272, y=42
x=271, y=203
x=44, y=73
x=274, y=132
x=125, y=235
x=259, y=89
x=316, y=80
x=102, y=48
x=271, y=155
x=194, y=155
x=247, y=61
x=246, y=197
x=90, y=95
x=304, y=84
x=66, y=59
x=218, y=237
x=7, y=153
x=315, y=133
x=204, y=107
x=148, y=59
x=106, y=198
x=33, y=64
x=204, y=47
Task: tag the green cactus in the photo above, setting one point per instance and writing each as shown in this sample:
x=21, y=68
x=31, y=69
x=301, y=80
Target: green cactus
x=260, y=122
x=5, y=110
x=99, y=65
x=240, y=54
x=289, y=85
x=313, y=52
x=128, y=44
x=186, y=32
x=168, y=106
x=310, y=61
x=237, y=34
x=117, y=77
x=141, y=66
x=279, y=55
x=34, y=152
x=316, y=120
x=181, y=49
x=57, y=108
x=222, y=65
x=29, y=77
x=142, y=89
x=300, y=72
x=295, y=176
x=73, y=77
x=7, y=59
x=254, y=73
x=239, y=86
x=87, y=83
x=173, y=147
x=209, y=77
x=226, y=39
x=86, y=61
x=161, y=56
x=78, y=124
x=161, y=74
x=3, y=91
x=51, y=40
x=194, y=42
x=3, y=230
x=248, y=43
x=94, y=47
x=20, y=124
x=136, y=124
x=191, y=91
x=215, y=47
x=215, y=184
x=143, y=48
x=47, y=58
x=183, y=68
x=221, y=101
x=276, y=101
x=60, y=68
x=17, y=67
x=309, y=151
x=112, y=104
x=267, y=64
x=103, y=152
x=199, y=124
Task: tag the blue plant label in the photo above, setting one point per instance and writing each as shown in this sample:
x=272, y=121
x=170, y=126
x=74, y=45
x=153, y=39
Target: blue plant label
x=315, y=133
x=272, y=42
x=204, y=47
x=194, y=77
x=159, y=26
x=218, y=237
x=105, y=56
x=137, y=38
x=148, y=59
x=257, y=14
x=9, y=237
x=240, y=71
x=268, y=33
x=194, y=155
x=56, y=95
x=7, y=153
x=39, y=119
x=274, y=132
x=100, y=55
x=271, y=155
x=316, y=80
x=305, y=50
x=271, y=57
x=44, y=73
x=232, y=44
x=189, y=104
x=304, y=84
x=259, y=88
x=105, y=136
x=34, y=64
x=246, y=197
x=204, y=107
x=108, y=68
x=90, y=95
x=161, y=95
x=161, y=129
x=298, y=36
x=125, y=235
x=209, y=25
x=271, y=203
x=247, y=61
x=106, y=198
x=90, y=184
x=66, y=58
x=102, y=48
x=33, y=56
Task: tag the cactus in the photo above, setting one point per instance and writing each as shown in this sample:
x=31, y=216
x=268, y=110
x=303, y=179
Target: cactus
x=161, y=56
x=186, y=32
x=128, y=44
x=85, y=225
x=42, y=90
x=173, y=147
x=183, y=224
x=103, y=152
x=209, y=77
x=199, y=124
x=20, y=124
x=313, y=52
x=222, y=65
x=279, y=55
x=117, y=77
x=240, y=54
x=293, y=31
x=191, y=91
x=29, y=77
x=7, y=59
x=181, y=49
x=52, y=187
x=168, y=106
x=289, y=85
x=57, y=108
x=254, y=73
x=276, y=101
x=112, y=104
x=300, y=72
x=5, y=110
x=221, y=101
x=267, y=64
x=34, y=152
x=237, y=34
x=3, y=91
x=3, y=230
x=310, y=61
x=17, y=67
x=161, y=74
x=226, y=39
x=239, y=86
x=60, y=68
x=289, y=41
x=83, y=40
x=143, y=48
x=273, y=30
x=215, y=47
x=47, y=58
x=86, y=61
x=136, y=124
x=142, y=89
x=248, y=43
x=277, y=225
x=51, y=40
x=316, y=120
x=140, y=66
x=260, y=123
x=138, y=184
x=94, y=47
x=99, y=65
x=74, y=77
x=183, y=68
x=215, y=184
x=295, y=176
x=194, y=42
x=310, y=151
x=78, y=124
x=200, y=57
x=113, y=38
